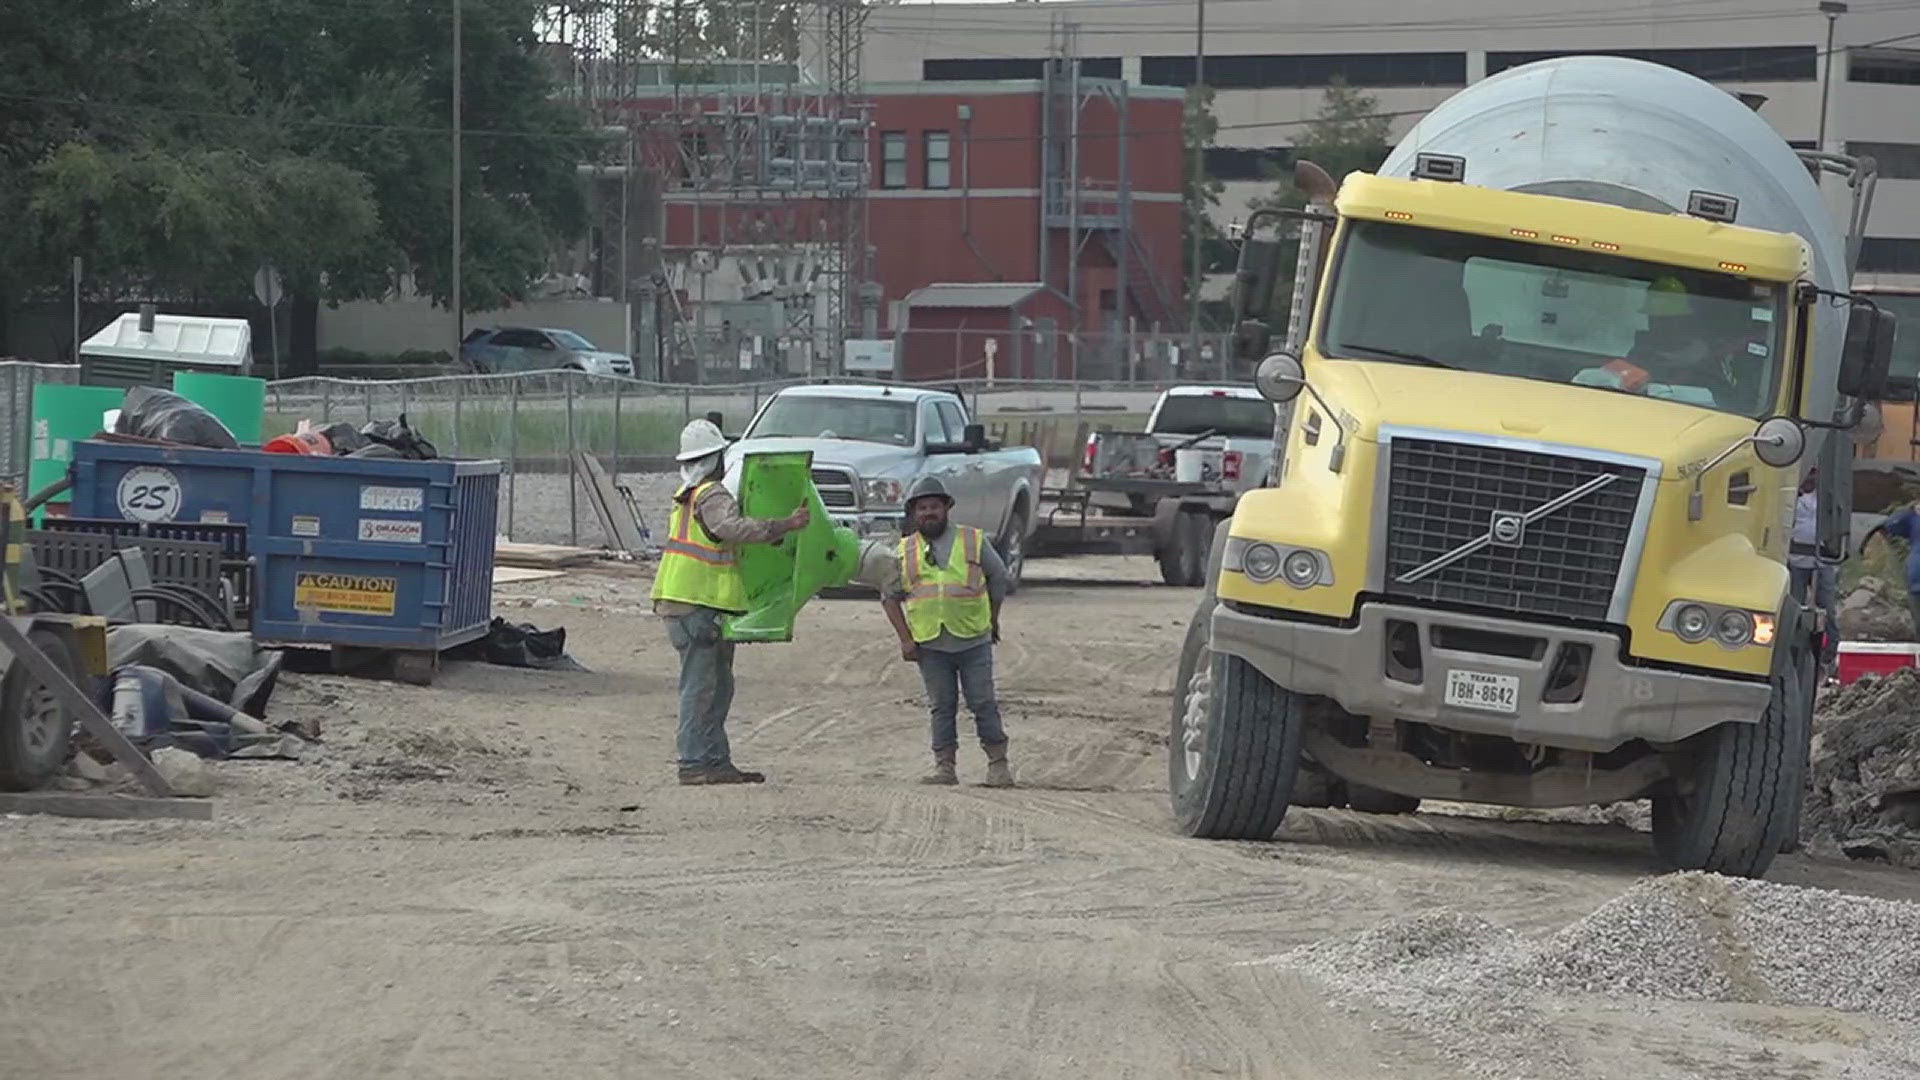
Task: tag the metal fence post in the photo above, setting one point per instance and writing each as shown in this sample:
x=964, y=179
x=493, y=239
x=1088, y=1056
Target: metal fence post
x=456, y=417
x=513, y=447
x=405, y=398
x=573, y=486
x=618, y=385
x=369, y=403
x=326, y=403
x=686, y=401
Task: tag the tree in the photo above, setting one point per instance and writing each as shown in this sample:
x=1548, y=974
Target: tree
x=1347, y=134
x=1201, y=192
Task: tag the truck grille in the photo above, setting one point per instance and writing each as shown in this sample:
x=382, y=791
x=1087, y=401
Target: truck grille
x=1442, y=495
x=836, y=487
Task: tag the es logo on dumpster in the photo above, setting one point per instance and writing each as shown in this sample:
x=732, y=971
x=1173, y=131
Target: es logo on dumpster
x=351, y=594
x=148, y=493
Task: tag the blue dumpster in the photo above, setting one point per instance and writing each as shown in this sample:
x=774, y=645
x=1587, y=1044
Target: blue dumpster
x=361, y=552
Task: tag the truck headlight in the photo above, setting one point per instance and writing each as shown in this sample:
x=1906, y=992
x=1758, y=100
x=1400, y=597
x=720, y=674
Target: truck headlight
x=1302, y=569
x=884, y=493
x=1731, y=628
x=1693, y=623
x=1261, y=562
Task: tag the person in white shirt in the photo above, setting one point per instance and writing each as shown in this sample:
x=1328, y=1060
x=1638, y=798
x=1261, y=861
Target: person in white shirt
x=1810, y=576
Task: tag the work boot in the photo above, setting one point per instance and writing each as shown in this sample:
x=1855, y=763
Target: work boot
x=999, y=773
x=942, y=771
x=719, y=774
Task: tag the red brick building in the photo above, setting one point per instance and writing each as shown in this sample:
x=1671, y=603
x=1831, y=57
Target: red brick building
x=974, y=183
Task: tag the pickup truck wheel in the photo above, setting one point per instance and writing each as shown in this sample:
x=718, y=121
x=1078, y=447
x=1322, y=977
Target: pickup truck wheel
x=1235, y=745
x=1369, y=800
x=35, y=728
x=1013, y=549
x=1732, y=801
x=1184, y=561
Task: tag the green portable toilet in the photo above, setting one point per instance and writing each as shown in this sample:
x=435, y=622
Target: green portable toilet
x=235, y=400
x=63, y=415
x=781, y=577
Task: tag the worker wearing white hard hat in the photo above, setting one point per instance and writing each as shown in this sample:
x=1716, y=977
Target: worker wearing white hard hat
x=697, y=586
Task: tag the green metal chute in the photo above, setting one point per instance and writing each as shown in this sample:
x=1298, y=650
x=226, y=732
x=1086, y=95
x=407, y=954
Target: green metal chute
x=782, y=576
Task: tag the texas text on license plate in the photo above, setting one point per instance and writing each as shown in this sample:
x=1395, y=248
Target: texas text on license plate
x=1478, y=690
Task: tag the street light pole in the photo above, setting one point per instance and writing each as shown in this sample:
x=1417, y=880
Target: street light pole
x=1197, y=192
x=1832, y=9
x=457, y=297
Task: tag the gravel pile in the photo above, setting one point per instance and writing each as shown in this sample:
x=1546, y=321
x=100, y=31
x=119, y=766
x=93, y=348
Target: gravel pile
x=1485, y=995
x=1863, y=793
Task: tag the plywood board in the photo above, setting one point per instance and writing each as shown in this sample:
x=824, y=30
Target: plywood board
x=505, y=575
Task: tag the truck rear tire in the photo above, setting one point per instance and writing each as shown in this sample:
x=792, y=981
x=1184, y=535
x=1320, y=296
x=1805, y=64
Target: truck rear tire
x=1235, y=745
x=36, y=729
x=1732, y=801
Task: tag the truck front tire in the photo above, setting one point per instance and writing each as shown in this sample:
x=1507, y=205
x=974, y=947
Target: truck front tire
x=1732, y=801
x=1235, y=743
x=1184, y=559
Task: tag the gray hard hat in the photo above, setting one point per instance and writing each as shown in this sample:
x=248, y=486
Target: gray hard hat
x=928, y=486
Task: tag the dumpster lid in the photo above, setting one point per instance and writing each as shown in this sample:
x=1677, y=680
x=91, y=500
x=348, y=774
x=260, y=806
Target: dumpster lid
x=180, y=339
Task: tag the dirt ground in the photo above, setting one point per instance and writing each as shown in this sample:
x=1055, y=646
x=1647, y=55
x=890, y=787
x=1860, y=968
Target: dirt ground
x=497, y=877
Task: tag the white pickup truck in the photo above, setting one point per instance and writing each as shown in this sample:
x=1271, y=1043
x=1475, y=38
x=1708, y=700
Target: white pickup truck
x=870, y=443
x=1164, y=489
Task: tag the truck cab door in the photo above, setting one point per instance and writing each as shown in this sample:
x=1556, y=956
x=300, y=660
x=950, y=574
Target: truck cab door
x=941, y=461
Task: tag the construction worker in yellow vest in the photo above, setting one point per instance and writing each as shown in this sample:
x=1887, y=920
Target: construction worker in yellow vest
x=698, y=585
x=943, y=600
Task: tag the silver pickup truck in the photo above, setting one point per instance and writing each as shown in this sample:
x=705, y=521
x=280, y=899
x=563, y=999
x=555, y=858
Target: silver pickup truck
x=870, y=443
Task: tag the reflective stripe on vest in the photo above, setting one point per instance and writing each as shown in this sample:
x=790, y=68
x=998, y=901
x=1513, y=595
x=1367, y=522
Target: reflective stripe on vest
x=694, y=567
x=952, y=597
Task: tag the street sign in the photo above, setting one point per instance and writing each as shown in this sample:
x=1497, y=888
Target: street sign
x=266, y=286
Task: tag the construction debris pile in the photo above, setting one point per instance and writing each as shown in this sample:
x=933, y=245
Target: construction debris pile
x=1486, y=994
x=1863, y=794
x=1876, y=611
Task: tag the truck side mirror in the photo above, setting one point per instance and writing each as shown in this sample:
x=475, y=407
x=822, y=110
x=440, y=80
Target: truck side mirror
x=1868, y=351
x=974, y=438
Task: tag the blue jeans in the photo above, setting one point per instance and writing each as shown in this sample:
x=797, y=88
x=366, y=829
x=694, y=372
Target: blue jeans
x=706, y=687
x=950, y=674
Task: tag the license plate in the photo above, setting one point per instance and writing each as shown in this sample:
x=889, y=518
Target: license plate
x=1488, y=693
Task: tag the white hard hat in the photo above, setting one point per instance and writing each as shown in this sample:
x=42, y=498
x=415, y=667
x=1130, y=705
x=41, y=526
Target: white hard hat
x=700, y=439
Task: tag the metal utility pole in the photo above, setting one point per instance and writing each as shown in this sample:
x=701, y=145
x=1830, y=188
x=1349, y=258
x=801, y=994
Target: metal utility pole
x=459, y=307
x=1194, y=273
x=1832, y=9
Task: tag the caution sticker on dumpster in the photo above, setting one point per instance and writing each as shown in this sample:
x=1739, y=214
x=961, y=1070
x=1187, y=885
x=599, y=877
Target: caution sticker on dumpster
x=405, y=499
x=348, y=593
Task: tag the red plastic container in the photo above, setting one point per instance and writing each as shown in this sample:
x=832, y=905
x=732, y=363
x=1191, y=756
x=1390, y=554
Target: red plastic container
x=301, y=442
x=1859, y=658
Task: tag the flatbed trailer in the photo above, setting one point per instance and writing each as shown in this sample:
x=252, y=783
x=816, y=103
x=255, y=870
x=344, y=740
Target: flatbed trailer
x=1178, y=532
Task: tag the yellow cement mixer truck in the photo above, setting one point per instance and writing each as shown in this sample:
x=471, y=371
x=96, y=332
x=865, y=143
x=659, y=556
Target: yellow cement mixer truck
x=1552, y=378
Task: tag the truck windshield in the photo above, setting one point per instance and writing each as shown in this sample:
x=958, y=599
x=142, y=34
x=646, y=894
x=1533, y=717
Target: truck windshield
x=861, y=419
x=1568, y=315
x=1184, y=414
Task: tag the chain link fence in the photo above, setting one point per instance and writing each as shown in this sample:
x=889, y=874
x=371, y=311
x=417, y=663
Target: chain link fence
x=535, y=423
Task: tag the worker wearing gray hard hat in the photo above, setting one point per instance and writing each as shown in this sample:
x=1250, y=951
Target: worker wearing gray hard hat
x=942, y=595
x=697, y=585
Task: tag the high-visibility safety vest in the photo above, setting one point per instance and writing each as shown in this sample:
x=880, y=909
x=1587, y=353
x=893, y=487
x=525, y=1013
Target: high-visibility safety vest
x=952, y=597
x=694, y=567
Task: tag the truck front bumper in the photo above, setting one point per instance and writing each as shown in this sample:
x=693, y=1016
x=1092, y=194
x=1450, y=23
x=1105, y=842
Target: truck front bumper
x=1617, y=702
x=869, y=524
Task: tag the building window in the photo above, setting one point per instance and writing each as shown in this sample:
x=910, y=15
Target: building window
x=1889, y=255
x=939, y=159
x=996, y=69
x=1760, y=63
x=1897, y=161
x=1898, y=66
x=1310, y=71
x=893, y=159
